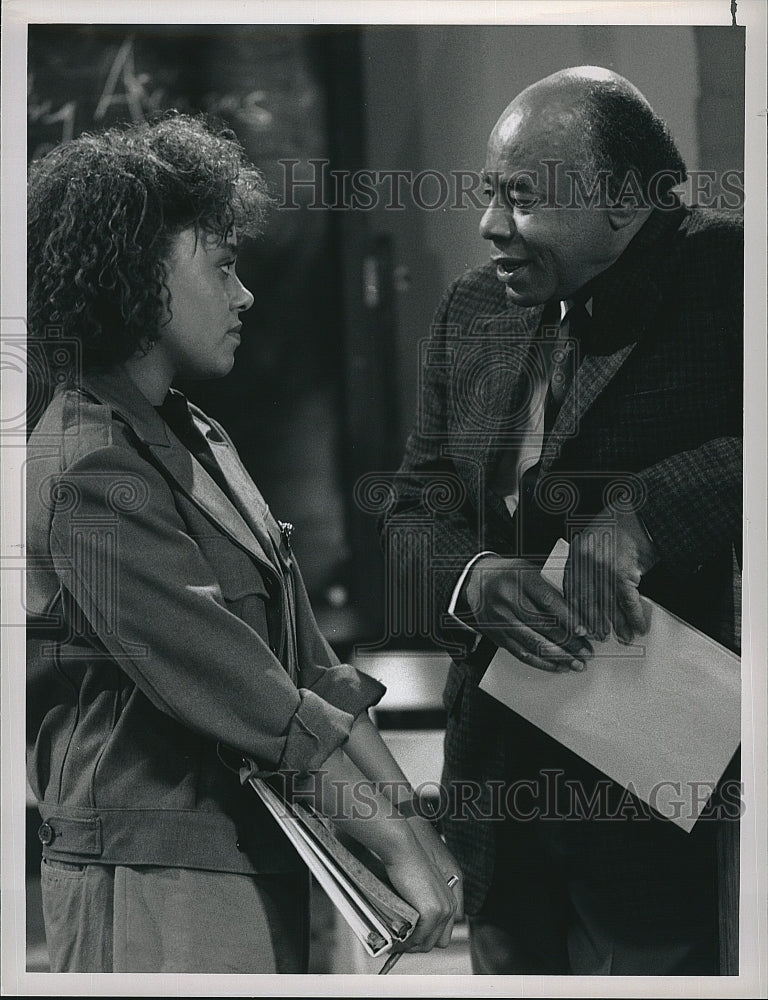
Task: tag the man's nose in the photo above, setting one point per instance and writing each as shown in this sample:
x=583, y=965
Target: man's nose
x=495, y=223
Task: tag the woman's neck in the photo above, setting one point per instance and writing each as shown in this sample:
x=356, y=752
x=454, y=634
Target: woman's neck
x=152, y=376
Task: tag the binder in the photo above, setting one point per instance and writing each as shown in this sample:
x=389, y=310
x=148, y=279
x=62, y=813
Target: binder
x=376, y=914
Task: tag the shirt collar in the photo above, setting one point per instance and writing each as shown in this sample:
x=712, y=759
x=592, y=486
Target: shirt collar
x=567, y=304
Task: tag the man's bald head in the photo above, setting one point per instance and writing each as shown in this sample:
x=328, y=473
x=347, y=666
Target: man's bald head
x=598, y=121
x=573, y=168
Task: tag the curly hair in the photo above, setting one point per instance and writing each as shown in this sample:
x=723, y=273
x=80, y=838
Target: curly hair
x=103, y=212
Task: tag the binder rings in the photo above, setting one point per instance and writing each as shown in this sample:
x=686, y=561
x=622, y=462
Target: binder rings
x=375, y=913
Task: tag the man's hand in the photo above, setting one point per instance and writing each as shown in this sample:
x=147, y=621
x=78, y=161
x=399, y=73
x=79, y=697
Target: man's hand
x=605, y=565
x=507, y=600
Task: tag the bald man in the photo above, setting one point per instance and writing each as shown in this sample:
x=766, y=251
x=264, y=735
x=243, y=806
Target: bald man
x=588, y=378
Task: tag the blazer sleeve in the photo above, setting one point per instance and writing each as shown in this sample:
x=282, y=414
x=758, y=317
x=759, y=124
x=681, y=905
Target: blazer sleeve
x=152, y=600
x=693, y=506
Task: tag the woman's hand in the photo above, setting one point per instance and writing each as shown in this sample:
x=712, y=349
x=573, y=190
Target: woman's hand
x=424, y=885
x=434, y=847
x=420, y=880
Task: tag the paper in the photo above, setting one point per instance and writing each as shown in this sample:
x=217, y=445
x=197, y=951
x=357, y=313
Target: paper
x=661, y=717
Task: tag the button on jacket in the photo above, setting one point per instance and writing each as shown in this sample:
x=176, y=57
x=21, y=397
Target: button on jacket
x=167, y=622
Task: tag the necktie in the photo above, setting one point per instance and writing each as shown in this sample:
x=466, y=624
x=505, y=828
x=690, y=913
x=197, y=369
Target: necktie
x=565, y=355
x=563, y=359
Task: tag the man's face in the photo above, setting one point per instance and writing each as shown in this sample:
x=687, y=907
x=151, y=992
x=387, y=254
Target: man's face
x=542, y=252
x=206, y=299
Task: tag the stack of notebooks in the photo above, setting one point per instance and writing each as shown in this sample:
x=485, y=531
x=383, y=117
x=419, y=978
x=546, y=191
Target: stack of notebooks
x=375, y=913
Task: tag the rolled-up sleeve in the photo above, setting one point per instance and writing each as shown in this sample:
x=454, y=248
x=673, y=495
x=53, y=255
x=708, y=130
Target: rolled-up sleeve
x=348, y=689
x=317, y=728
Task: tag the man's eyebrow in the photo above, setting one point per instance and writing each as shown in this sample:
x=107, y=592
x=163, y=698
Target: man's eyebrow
x=228, y=246
x=522, y=181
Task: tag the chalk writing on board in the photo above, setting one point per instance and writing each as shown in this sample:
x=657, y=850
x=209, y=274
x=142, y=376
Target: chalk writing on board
x=125, y=87
x=248, y=108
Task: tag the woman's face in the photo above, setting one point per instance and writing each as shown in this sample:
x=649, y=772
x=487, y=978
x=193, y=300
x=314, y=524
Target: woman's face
x=206, y=299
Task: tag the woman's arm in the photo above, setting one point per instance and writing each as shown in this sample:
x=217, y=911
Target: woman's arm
x=370, y=753
x=342, y=791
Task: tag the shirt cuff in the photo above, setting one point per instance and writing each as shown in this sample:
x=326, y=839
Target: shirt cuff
x=458, y=589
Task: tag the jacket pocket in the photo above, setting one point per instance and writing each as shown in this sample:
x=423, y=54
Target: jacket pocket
x=247, y=593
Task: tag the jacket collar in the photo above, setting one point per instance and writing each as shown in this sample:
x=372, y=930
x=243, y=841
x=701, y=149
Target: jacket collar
x=626, y=295
x=117, y=390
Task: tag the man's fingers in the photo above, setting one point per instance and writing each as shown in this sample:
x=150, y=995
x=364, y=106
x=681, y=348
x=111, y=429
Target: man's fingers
x=559, y=621
x=531, y=647
x=621, y=626
x=631, y=607
x=588, y=582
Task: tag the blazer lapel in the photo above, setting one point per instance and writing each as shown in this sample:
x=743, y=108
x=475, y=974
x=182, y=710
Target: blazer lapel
x=490, y=381
x=593, y=375
x=249, y=502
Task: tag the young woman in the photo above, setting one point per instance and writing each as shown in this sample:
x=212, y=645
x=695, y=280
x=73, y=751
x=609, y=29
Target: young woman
x=169, y=626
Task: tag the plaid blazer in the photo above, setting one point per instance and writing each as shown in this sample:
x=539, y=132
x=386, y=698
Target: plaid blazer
x=652, y=422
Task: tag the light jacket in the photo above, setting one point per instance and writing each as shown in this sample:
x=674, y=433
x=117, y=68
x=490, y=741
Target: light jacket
x=168, y=624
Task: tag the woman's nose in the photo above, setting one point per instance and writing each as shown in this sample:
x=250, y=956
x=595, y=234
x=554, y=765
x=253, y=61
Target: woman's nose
x=244, y=298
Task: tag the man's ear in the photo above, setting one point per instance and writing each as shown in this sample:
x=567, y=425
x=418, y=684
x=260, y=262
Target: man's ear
x=621, y=216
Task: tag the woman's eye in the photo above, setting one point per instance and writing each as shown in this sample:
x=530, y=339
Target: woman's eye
x=228, y=268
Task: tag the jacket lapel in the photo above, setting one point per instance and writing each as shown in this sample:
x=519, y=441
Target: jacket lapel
x=204, y=492
x=116, y=389
x=248, y=500
x=594, y=374
x=490, y=384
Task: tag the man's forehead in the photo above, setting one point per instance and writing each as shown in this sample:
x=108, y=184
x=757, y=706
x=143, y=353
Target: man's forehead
x=525, y=137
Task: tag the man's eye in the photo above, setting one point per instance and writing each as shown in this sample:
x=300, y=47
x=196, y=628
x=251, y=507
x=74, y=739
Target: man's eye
x=524, y=201
x=228, y=267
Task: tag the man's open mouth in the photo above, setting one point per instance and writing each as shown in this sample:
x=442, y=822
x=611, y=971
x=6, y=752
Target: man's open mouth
x=508, y=265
